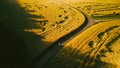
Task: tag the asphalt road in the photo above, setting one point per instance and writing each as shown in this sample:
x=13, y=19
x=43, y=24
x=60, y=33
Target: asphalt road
x=43, y=58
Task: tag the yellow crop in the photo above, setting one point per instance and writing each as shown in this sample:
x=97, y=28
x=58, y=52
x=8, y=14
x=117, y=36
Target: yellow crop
x=98, y=44
x=103, y=9
x=53, y=21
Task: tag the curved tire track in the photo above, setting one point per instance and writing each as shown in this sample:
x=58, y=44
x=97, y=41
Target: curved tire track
x=49, y=52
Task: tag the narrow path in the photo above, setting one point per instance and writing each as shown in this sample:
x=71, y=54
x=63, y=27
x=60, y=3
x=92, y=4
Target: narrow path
x=45, y=56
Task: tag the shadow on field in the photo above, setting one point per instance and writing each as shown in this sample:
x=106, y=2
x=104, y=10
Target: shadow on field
x=54, y=48
x=12, y=50
x=17, y=48
x=72, y=58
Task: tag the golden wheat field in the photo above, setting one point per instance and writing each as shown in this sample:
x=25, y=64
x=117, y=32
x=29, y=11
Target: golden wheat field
x=99, y=43
x=60, y=33
x=100, y=9
x=39, y=23
x=55, y=21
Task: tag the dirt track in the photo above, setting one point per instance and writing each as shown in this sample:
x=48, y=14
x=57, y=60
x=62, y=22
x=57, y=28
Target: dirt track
x=42, y=59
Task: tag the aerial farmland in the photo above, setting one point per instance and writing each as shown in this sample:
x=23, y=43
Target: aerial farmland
x=60, y=33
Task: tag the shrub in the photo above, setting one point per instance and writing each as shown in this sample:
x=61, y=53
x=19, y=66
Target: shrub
x=100, y=35
x=61, y=21
x=66, y=17
x=91, y=43
x=60, y=16
x=65, y=11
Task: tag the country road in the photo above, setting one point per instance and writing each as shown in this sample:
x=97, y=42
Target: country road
x=45, y=56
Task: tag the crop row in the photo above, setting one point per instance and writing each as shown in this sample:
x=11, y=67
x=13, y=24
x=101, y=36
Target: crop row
x=97, y=44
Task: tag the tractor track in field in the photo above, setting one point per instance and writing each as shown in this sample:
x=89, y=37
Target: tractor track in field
x=43, y=58
x=90, y=22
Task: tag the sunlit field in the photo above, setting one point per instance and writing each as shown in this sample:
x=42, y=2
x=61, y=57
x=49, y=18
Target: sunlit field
x=60, y=33
x=100, y=10
x=39, y=23
x=96, y=46
x=54, y=21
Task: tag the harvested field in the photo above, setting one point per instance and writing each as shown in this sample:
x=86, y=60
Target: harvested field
x=39, y=23
x=97, y=45
x=60, y=33
x=100, y=9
